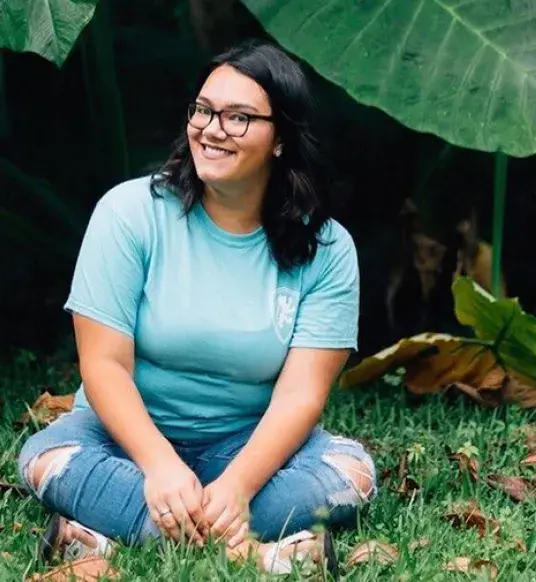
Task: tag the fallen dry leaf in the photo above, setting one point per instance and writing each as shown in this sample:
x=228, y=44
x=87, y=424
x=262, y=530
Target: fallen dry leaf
x=432, y=361
x=466, y=464
x=17, y=526
x=420, y=543
x=518, y=488
x=373, y=550
x=469, y=515
x=529, y=461
x=47, y=408
x=520, y=545
x=470, y=566
x=17, y=489
x=84, y=570
x=408, y=485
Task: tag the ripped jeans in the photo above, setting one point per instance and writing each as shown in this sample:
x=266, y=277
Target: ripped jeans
x=95, y=482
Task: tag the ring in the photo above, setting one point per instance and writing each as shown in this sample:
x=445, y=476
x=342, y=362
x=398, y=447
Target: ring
x=162, y=513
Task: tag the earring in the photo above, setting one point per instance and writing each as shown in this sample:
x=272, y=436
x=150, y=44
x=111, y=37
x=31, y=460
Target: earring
x=278, y=151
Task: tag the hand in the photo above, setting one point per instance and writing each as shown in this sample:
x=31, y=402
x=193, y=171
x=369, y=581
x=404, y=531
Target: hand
x=226, y=508
x=170, y=486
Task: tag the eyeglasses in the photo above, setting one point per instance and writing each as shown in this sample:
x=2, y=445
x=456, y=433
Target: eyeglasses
x=233, y=123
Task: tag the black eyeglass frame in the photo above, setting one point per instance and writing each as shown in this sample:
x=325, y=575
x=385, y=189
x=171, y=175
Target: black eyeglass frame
x=217, y=113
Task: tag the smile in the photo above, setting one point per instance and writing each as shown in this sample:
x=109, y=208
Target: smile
x=215, y=153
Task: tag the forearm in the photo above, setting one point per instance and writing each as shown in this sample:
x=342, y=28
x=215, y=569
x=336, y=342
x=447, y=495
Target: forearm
x=113, y=395
x=284, y=427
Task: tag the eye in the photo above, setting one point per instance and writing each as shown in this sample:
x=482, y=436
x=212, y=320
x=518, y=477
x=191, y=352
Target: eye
x=238, y=118
x=201, y=109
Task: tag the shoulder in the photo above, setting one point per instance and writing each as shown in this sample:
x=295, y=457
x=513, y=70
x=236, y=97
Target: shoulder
x=133, y=203
x=335, y=243
x=336, y=255
x=128, y=197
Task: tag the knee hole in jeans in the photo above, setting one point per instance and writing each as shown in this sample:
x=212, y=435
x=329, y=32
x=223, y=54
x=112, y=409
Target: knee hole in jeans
x=46, y=465
x=358, y=473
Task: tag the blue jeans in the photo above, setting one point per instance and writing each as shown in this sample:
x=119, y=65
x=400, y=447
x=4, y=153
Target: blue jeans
x=99, y=486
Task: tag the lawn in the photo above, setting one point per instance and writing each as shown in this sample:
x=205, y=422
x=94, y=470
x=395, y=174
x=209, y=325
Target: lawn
x=391, y=422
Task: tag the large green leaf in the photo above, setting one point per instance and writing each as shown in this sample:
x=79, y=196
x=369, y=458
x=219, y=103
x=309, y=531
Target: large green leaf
x=500, y=321
x=462, y=69
x=46, y=27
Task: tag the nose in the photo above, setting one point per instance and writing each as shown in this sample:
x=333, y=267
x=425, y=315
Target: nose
x=214, y=129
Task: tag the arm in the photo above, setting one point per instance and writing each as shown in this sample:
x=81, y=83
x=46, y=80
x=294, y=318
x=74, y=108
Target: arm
x=105, y=296
x=325, y=329
x=293, y=413
x=107, y=359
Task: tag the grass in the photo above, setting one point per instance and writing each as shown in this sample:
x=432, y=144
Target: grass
x=391, y=421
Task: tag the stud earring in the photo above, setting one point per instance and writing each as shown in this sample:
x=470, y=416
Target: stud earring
x=278, y=151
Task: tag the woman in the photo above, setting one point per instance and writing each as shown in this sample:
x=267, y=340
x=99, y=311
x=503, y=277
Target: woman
x=214, y=306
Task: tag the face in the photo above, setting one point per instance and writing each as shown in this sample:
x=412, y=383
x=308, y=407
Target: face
x=221, y=160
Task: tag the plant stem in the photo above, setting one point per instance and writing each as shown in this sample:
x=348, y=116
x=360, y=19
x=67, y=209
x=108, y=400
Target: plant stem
x=501, y=167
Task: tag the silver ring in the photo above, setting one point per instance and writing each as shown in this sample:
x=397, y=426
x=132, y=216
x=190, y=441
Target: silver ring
x=162, y=513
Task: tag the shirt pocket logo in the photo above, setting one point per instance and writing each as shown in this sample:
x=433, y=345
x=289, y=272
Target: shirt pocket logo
x=284, y=309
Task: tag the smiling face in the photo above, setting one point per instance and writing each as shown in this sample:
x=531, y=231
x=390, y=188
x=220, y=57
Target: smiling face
x=226, y=162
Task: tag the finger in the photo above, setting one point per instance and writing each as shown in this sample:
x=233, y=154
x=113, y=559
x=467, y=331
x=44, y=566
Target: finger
x=184, y=522
x=170, y=523
x=156, y=510
x=233, y=528
x=240, y=536
x=193, y=504
x=213, y=511
x=219, y=528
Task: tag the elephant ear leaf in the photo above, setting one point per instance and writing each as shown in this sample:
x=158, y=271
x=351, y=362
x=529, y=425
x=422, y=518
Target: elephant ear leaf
x=501, y=321
x=462, y=69
x=46, y=27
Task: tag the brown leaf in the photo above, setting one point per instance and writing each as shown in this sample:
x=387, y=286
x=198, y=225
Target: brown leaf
x=518, y=488
x=469, y=515
x=47, y=408
x=466, y=464
x=17, y=526
x=373, y=550
x=17, y=489
x=529, y=461
x=88, y=569
x=521, y=545
x=408, y=485
x=518, y=390
x=470, y=566
x=432, y=361
x=418, y=544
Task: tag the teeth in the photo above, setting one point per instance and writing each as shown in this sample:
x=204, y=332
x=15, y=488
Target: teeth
x=215, y=152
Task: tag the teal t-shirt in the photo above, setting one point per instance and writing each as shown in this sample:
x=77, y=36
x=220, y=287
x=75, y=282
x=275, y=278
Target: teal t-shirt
x=211, y=315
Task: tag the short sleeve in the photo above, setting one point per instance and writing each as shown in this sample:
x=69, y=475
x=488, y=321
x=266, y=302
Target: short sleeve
x=329, y=311
x=109, y=274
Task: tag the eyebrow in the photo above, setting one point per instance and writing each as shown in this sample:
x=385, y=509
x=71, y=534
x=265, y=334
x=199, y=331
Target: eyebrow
x=229, y=105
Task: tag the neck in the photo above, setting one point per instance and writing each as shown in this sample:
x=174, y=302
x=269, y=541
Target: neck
x=235, y=209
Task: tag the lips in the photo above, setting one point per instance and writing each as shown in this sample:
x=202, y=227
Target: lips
x=214, y=152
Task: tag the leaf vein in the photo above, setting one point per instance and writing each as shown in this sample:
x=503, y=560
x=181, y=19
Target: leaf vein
x=356, y=38
x=398, y=52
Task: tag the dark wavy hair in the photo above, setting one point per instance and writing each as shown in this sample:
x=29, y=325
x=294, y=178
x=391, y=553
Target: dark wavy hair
x=295, y=206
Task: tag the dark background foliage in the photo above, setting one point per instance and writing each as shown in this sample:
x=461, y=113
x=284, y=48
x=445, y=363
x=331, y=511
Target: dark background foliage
x=112, y=111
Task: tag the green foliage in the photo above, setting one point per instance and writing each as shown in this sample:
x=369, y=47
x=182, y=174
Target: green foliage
x=511, y=331
x=465, y=71
x=46, y=27
x=391, y=425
